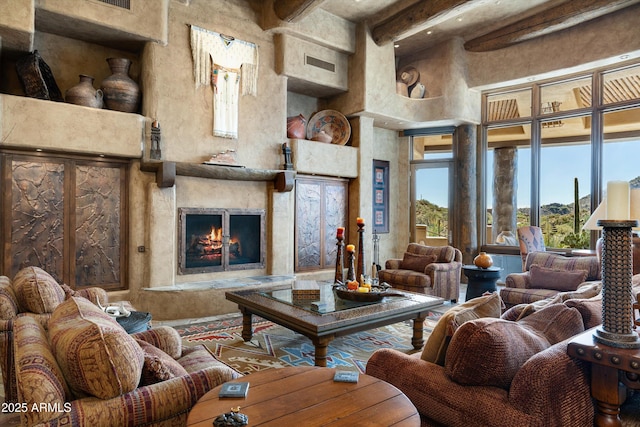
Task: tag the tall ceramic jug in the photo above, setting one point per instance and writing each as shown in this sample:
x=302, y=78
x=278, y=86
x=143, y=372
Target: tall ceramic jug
x=121, y=92
x=84, y=93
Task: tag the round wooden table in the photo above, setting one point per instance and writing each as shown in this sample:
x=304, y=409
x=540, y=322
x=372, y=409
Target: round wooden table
x=309, y=396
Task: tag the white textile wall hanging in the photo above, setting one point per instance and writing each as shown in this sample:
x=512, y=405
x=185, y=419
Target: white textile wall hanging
x=231, y=67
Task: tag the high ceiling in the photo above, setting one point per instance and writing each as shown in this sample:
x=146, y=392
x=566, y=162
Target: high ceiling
x=437, y=20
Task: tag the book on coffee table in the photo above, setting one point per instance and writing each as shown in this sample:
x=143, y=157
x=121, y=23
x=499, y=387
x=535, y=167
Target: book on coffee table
x=234, y=390
x=346, y=376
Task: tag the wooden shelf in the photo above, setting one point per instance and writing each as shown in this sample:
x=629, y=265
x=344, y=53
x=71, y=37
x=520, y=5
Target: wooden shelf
x=167, y=171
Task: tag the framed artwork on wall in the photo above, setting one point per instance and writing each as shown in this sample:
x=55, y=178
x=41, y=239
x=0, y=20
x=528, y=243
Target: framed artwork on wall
x=381, y=196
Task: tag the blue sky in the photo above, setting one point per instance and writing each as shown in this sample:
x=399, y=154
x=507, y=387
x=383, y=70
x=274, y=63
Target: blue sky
x=559, y=166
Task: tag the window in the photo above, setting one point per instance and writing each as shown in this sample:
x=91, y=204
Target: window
x=508, y=188
x=544, y=161
x=432, y=173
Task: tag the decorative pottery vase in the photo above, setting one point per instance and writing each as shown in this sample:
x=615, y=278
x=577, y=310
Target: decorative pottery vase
x=120, y=92
x=296, y=127
x=84, y=93
x=483, y=260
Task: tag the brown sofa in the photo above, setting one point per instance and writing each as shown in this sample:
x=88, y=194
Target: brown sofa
x=498, y=372
x=85, y=370
x=431, y=270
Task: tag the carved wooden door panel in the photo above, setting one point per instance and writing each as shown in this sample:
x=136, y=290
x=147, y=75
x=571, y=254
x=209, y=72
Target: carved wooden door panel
x=67, y=216
x=321, y=207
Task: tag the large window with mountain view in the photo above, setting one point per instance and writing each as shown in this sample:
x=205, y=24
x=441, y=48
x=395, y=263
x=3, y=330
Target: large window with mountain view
x=551, y=148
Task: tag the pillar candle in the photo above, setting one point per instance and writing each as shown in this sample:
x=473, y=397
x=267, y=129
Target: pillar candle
x=618, y=200
x=359, y=220
x=351, y=248
x=340, y=232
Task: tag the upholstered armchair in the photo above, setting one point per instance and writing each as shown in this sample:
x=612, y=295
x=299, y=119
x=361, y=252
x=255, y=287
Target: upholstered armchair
x=431, y=270
x=85, y=370
x=548, y=275
x=35, y=293
x=530, y=239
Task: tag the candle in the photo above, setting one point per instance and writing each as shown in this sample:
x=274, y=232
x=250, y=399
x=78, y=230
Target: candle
x=618, y=200
x=340, y=232
x=360, y=221
x=351, y=248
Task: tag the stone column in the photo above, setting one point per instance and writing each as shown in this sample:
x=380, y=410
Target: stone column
x=465, y=232
x=505, y=189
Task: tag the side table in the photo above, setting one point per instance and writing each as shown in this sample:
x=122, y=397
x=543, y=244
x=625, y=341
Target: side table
x=612, y=370
x=480, y=280
x=137, y=321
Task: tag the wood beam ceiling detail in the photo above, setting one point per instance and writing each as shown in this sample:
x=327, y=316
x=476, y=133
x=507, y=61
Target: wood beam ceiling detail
x=551, y=20
x=419, y=15
x=295, y=10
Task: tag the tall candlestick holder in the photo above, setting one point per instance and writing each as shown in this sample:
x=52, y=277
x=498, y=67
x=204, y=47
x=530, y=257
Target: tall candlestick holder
x=339, y=276
x=360, y=271
x=351, y=274
x=617, y=272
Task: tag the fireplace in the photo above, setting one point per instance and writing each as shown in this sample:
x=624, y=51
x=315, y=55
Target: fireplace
x=220, y=240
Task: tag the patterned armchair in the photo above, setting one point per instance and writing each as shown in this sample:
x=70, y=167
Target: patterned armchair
x=34, y=293
x=85, y=370
x=431, y=270
x=530, y=239
x=549, y=275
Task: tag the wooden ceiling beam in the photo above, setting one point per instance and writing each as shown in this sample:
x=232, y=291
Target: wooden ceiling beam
x=548, y=21
x=418, y=16
x=295, y=10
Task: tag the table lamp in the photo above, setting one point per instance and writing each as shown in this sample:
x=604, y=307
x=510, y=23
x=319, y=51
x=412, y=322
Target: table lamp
x=616, y=216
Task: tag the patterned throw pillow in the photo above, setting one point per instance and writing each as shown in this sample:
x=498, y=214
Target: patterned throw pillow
x=96, y=355
x=36, y=291
x=556, y=279
x=435, y=349
x=158, y=365
x=416, y=262
x=489, y=352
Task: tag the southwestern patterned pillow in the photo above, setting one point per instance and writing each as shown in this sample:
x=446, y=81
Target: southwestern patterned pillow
x=37, y=291
x=96, y=355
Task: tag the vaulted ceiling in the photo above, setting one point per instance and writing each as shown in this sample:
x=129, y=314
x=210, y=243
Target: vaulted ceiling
x=415, y=25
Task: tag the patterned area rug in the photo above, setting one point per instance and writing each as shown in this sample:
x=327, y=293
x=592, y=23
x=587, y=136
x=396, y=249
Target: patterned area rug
x=274, y=346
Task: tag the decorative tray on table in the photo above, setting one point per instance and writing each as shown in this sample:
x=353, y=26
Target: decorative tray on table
x=375, y=294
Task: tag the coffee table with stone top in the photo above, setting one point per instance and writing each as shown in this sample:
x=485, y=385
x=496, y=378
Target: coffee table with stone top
x=337, y=318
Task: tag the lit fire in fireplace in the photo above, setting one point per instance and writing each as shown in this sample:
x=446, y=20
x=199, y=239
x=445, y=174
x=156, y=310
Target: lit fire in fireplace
x=208, y=245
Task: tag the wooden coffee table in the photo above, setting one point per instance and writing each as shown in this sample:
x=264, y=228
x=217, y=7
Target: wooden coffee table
x=340, y=318
x=309, y=396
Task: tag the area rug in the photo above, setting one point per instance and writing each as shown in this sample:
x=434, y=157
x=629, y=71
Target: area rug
x=274, y=346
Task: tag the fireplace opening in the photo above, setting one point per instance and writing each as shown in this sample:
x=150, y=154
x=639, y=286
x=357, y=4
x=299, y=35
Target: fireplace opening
x=220, y=239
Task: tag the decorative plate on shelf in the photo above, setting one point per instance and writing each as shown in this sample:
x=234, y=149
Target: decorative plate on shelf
x=332, y=123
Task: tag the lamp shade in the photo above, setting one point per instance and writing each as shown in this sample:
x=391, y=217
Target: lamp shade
x=601, y=211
